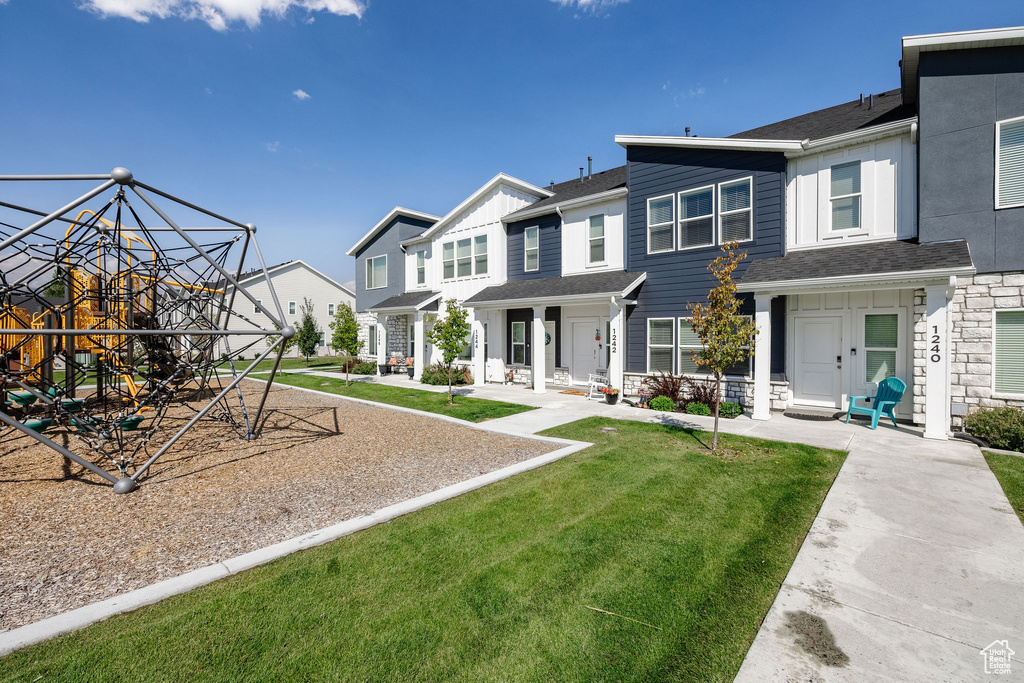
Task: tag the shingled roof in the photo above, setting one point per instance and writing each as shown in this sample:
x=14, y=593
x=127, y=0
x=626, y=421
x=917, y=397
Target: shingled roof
x=412, y=300
x=875, y=258
x=614, y=282
x=600, y=182
x=844, y=118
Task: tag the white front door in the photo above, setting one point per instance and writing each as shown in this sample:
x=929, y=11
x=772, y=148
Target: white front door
x=549, y=349
x=584, y=350
x=819, y=349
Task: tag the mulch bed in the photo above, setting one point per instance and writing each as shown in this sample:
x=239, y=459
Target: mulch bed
x=67, y=540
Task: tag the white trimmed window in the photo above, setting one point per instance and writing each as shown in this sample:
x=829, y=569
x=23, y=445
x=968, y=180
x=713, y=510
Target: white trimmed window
x=595, y=240
x=735, y=214
x=697, y=217
x=660, y=224
x=372, y=345
x=291, y=308
x=256, y=307
x=660, y=344
x=323, y=339
x=480, y=254
x=518, y=343
x=377, y=272
x=464, y=258
x=531, y=247
x=330, y=310
x=881, y=339
x=1010, y=163
x=467, y=351
x=448, y=260
x=421, y=267
x=845, y=195
x=1009, y=368
x=689, y=341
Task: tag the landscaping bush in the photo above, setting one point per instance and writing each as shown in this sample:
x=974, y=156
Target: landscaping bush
x=662, y=403
x=697, y=408
x=364, y=367
x=730, y=410
x=700, y=391
x=670, y=386
x=437, y=374
x=998, y=427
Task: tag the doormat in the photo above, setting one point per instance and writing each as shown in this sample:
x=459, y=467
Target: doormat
x=814, y=414
x=573, y=392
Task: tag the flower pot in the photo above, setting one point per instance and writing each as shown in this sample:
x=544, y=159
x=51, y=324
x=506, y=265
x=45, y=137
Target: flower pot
x=411, y=370
x=611, y=399
x=383, y=369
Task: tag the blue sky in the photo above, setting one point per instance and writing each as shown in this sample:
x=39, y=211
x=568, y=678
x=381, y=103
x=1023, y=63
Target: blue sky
x=313, y=121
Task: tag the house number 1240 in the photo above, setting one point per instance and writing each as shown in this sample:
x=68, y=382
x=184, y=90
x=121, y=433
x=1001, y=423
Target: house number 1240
x=936, y=349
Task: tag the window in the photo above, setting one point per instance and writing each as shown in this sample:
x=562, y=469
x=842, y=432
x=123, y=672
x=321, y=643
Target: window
x=373, y=340
x=518, y=343
x=480, y=254
x=697, y=218
x=256, y=307
x=330, y=310
x=377, y=272
x=844, y=193
x=881, y=337
x=735, y=214
x=291, y=308
x=467, y=351
x=660, y=219
x=486, y=354
x=595, y=236
x=1010, y=163
x=1009, y=352
x=659, y=344
x=463, y=261
x=688, y=341
x=531, y=244
x=323, y=339
x=421, y=267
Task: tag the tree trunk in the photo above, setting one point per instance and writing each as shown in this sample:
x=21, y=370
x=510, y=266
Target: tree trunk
x=451, y=398
x=718, y=402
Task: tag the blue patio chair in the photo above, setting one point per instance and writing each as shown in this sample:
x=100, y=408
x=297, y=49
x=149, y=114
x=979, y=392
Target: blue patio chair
x=890, y=393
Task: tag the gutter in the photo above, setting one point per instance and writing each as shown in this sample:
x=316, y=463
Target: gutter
x=528, y=212
x=783, y=286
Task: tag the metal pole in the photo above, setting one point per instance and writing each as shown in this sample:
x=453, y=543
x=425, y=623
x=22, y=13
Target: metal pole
x=198, y=416
x=57, y=447
x=56, y=214
x=107, y=332
x=80, y=176
x=200, y=209
x=273, y=292
x=270, y=382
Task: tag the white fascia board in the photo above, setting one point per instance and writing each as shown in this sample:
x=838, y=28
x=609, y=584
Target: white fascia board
x=493, y=183
x=865, y=281
x=913, y=46
x=302, y=263
x=855, y=137
x=397, y=211
x=526, y=213
x=406, y=309
x=709, y=143
x=597, y=297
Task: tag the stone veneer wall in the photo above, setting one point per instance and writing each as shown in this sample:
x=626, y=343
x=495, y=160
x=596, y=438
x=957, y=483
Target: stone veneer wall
x=971, y=340
x=398, y=333
x=735, y=390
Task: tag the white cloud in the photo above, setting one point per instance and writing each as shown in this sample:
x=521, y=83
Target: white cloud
x=273, y=146
x=592, y=6
x=207, y=91
x=219, y=13
x=698, y=91
x=301, y=94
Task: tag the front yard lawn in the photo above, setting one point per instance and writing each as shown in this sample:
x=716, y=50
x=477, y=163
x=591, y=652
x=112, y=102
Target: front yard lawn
x=465, y=408
x=1009, y=470
x=496, y=584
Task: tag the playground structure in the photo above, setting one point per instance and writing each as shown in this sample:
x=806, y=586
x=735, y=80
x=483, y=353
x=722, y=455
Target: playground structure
x=106, y=329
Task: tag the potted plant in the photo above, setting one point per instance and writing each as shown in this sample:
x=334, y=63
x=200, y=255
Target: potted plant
x=410, y=366
x=611, y=395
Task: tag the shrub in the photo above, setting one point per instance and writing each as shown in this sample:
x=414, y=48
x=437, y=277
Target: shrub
x=998, y=427
x=365, y=367
x=700, y=391
x=697, y=408
x=730, y=410
x=662, y=403
x=670, y=386
x=437, y=374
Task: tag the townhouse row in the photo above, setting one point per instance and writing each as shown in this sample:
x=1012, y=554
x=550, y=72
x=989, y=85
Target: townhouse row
x=884, y=237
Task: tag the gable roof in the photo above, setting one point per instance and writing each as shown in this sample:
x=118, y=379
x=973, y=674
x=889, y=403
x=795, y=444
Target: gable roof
x=594, y=285
x=885, y=107
x=572, y=191
x=417, y=301
x=393, y=214
x=913, y=46
x=257, y=273
x=487, y=187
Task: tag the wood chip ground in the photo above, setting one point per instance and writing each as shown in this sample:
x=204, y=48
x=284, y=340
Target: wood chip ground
x=66, y=540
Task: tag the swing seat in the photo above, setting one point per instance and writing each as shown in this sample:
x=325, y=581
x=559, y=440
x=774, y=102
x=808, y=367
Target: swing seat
x=23, y=398
x=38, y=426
x=890, y=393
x=132, y=423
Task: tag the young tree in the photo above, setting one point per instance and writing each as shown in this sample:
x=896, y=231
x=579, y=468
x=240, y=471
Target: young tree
x=449, y=335
x=345, y=334
x=56, y=286
x=307, y=332
x=727, y=336
x=289, y=344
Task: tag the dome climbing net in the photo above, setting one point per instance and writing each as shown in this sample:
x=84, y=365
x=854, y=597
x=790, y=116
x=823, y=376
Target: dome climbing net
x=120, y=329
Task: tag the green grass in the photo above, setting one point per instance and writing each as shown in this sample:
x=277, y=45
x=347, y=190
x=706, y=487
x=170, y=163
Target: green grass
x=286, y=364
x=1009, y=470
x=494, y=585
x=465, y=408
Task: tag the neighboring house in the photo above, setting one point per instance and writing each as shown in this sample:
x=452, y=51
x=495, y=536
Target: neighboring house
x=293, y=281
x=884, y=238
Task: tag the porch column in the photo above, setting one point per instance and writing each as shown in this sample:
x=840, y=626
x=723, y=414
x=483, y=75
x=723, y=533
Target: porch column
x=936, y=379
x=614, y=343
x=382, y=350
x=537, y=368
x=763, y=357
x=479, y=361
x=419, y=346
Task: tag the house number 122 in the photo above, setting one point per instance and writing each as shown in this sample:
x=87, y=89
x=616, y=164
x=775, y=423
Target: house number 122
x=936, y=349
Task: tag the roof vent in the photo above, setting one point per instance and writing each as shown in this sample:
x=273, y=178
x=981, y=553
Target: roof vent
x=590, y=167
x=862, y=99
x=581, y=175
x=552, y=186
x=687, y=131
x=871, y=101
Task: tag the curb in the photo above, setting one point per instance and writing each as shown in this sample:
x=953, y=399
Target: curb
x=77, y=619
